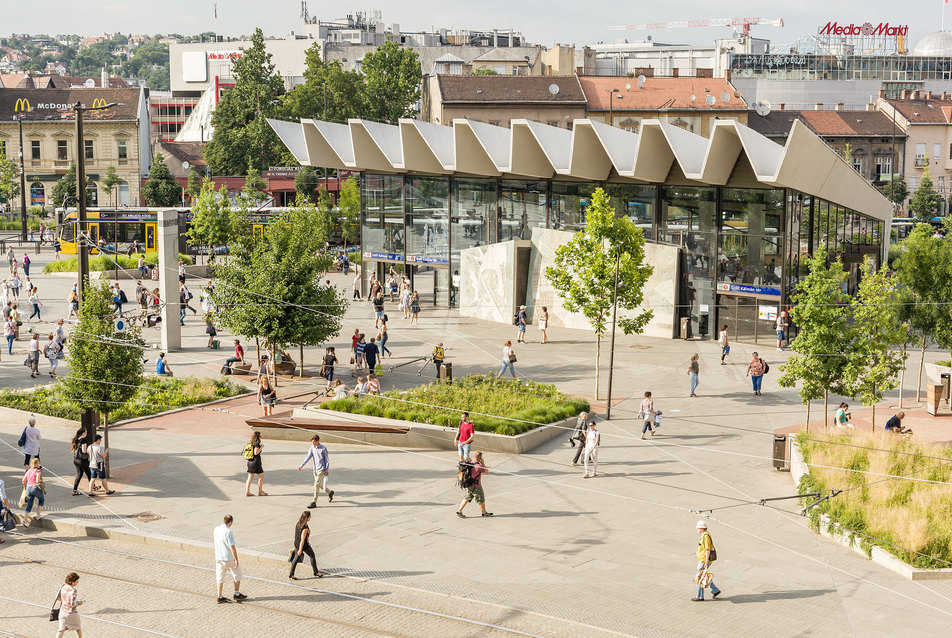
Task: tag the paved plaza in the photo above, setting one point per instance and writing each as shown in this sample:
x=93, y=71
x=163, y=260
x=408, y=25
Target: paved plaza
x=562, y=556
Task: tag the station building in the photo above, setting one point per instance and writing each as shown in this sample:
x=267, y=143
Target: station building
x=474, y=212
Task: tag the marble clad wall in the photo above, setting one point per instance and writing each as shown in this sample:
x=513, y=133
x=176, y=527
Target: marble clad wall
x=487, y=281
x=660, y=290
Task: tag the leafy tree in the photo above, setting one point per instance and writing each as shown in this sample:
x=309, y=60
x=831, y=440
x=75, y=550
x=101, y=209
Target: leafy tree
x=64, y=191
x=161, y=189
x=325, y=208
x=823, y=343
x=393, y=78
x=895, y=190
x=254, y=185
x=306, y=182
x=874, y=365
x=243, y=138
x=111, y=181
x=585, y=268
x=327, y=83
x=925, y=200
x=348, y=206
x=213, y=222
x=105, y=365
x=9, y=179
x=485, y=72
x=193, y=184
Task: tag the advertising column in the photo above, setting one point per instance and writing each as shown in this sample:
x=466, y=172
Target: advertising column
x=168, y=241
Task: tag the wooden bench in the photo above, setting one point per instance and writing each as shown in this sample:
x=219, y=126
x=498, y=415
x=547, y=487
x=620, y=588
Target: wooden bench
x=284, y=421
x=240, y=368
x=285, y=367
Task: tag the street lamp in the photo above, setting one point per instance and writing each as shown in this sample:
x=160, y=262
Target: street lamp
x=611, y=97
x=23, y=232
x=611, y=355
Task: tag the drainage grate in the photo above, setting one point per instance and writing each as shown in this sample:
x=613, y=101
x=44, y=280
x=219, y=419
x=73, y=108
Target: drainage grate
x=146, y=517
x=641, y=347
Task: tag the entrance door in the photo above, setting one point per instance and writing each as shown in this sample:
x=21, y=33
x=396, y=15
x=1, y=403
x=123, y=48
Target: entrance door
x=150, y=237
x=748, y=319
x=94, y=235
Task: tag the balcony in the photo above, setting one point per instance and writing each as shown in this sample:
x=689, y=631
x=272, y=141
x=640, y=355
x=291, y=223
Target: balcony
x=921, y=161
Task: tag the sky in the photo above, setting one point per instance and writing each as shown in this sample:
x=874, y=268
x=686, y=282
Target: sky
x=541, y=21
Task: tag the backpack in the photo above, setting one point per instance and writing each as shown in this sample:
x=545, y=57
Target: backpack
x=765, y=365
x=249, y=451
x=464, y=476
x=122, y=296
x=7, y=520
x=515, y=319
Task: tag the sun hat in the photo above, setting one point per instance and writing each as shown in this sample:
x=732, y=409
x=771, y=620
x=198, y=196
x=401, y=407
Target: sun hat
x=701, y=525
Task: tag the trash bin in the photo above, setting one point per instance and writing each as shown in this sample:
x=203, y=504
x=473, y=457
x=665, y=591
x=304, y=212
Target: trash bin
x=780, y=452
x=946, y=378
x=446, y=373
x=685, y=327
x=933, y=397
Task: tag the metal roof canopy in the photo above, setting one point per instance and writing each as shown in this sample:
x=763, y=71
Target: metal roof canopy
x=591, y=151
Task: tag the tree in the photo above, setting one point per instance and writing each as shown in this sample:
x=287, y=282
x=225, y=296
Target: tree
x=874, y=365
x=823, y=343
x=585, y=269
x=328, y=93
x=105, y=364
x=213, y=222
x=348, y=207
x=306, y=182
x=393, y=78
x=254, y=185
x=925, y=201
x=161, y=189
x=272, y=288
x=64, y=191
x=895, y=190
x=485, y=72
x=9, y=179
x=243, y=138
x=111, y=181
x=193, y=184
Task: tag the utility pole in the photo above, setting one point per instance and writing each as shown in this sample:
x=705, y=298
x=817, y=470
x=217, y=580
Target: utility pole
x=611, y=355
x=325, y=119
x=23, y=232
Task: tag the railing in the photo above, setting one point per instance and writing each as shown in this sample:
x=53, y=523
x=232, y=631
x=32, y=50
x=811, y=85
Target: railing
x=921, y=161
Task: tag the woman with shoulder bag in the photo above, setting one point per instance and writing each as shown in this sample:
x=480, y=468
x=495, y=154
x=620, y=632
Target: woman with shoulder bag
x=267, y=395
x=648, y=413
x=254, y=465
x=68, y=613
x=210, y=330
x=508, y=359
x=302, y=546
x=578, y=434
x=80, y=448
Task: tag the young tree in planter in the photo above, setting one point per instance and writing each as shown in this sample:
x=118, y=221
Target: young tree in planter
x=306, y=182
x=254, y=186
x=348, y=207
x=161, y=189
x=212, y=220
x=874, y=365
x=825, y=337
x=584, y=271
x=9, y=179
x=193, y=184
x=104, y=364
x=924, y=203
x=111, y=181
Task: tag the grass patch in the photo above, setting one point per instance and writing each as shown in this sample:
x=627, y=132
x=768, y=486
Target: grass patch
x=157, y=394
x=108, y=262
x=498, y=402
x=906, y=514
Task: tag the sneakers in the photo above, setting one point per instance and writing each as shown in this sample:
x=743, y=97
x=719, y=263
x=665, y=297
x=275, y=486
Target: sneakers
x=312, y=505
x=110, y=492
x=239, y=596
x=460, y=514
x=697, y=600
x=222, y=599
x=330, y=496
x=487, y=513
x=716, y=594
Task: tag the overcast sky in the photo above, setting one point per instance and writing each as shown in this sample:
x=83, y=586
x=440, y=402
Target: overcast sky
x=542, y=21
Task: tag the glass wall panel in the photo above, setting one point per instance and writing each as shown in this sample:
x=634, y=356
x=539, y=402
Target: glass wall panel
x=750, y=236
x=521, y=208
x=688, y=217
x=371, y=207
x=569, y=201
x=428, y=217
x=636, y=202
x=474, y=201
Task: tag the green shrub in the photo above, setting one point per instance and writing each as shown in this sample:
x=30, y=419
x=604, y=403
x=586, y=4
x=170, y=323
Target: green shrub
x=32, y=221
x=107, y=262
x=156, y=394
x=495, y=405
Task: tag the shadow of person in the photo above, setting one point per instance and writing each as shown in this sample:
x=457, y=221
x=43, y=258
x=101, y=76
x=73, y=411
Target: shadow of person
x=763, y=597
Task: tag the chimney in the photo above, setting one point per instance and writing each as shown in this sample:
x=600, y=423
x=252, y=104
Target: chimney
x=104, y=79
x=871, y=107
x=838, y=106
x=882, y=94
x=945, y=95
x=904, y=94
x=915, y=94
x=818, y=106
x=781, y=106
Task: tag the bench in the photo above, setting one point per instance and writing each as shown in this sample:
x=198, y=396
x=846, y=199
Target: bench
x=285, y=367
x=240, y=368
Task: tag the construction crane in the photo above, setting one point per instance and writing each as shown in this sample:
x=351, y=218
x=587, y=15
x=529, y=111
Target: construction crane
x=745, y=23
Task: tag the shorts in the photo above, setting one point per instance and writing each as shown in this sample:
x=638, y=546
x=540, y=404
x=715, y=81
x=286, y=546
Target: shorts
x=464, y=449
x=781, y=335
x=475, y=492
x=329, y=373
x=543, y=324
x=522, y=328
x=227, y=566
x=378, y=314
x=98, y=472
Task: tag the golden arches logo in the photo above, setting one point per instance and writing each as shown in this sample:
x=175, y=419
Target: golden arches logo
x=98, y=103
x=22, y=104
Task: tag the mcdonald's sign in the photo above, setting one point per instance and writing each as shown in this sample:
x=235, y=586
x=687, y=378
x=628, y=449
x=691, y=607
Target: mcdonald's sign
x=99, y=103
x=22, y=104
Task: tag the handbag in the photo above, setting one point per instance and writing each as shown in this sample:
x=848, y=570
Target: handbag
x=54, y=610
x=23, y=498
x=512, y=357
x=323, y=373
x=22, y=440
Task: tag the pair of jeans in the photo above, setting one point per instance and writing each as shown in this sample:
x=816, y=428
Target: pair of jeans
x=26, y=270
x=142, y=272
x=383, y=346
x=693, y=381
x=36, y=312
x=182, y=315
x=757, y=380
x=34, y=493
x=507, y=364
x=82, y=469
x=647, y=427
x=10, y=339
x=700, y=590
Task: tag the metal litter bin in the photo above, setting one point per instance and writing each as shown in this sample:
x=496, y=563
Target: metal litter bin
x=946, y=378
x=685, y=327
x=446, y=373
x=780, y=452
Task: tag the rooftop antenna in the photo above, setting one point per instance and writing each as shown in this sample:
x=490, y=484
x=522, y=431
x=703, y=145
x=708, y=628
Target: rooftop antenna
x=725, y=97
x=711, y=100
x=762, y=108
x=554, y=89
x=641, y=81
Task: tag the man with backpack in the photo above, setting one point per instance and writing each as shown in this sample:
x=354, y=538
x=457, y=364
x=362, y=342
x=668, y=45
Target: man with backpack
x=706, y=554
x=470, y=478
x=520, y=321
x=756, y=370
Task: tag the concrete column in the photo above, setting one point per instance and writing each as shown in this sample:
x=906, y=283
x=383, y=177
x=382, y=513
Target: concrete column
x=168, y=279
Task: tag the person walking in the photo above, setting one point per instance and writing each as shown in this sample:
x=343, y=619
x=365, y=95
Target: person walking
x=267, y=395
x=508, y=359
x=578, y=434
x=725, y=343
x=357, y=287
x=52, y=352
x=782, y=325
x=302, y=545
x=464, y=436
x=693, y=370
x=33, y=355
x=755, y=370
x=26, y=265
x=33, y=486
x=17, y=320
x=544, y=324
x=649, y=414
x=226, y=559
x=705, y=555
x=252, y=453
x=35, y=303
x=378, y=309
x=30, y=446
x=210, y=330
x=359, y=347
x=11, y=259
x=592, y=441
x=10, y=332
x=371, y=352
x=382, y=337
x=97, y=466
x=80, y=447
x=521, y=325
x=141, y=265
x=439, y=356
x=476, y=489
x=330, y=358
x=405, y=299
x=69, y=607
x=73, y=300
x=15, y=285
x=317, y=455
x=415, y=308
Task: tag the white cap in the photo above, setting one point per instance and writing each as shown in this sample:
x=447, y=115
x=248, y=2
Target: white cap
x=701, y=525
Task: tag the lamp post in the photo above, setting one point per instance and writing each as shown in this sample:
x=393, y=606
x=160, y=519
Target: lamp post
x=611, y=354
x=325, y=119
x=611, y=96
x=23, y=233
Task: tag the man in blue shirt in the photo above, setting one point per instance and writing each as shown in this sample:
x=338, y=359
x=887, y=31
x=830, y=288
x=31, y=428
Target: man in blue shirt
x=317, y=454
x=162, y=368
x=226, y=559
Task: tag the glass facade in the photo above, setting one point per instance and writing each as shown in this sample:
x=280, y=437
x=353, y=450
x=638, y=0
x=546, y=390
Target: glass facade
x=741, y=249
x=890, y=68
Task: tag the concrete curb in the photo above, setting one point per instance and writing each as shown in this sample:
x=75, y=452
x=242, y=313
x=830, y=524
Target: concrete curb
x=877, y=554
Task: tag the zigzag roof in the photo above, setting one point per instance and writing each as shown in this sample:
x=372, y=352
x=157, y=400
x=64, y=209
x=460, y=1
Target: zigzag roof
x=591, y=151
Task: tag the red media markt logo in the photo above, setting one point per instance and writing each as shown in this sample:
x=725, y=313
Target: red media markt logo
x=866, y=29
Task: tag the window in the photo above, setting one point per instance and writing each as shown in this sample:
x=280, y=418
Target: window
x=858, y=165
x=940, y=184
x=427, y=217
x=62, y=152
x=92, y=194
x=37, y=194
x=936, y=151
x=88, y=149
x=920, y=150
x=950, y=151
x=883, y=166
x=912, y=184
x=124, y=193
x=121, y=150
x=35, y=149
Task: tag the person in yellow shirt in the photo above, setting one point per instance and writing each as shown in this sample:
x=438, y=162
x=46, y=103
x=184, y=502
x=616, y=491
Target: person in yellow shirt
x=705, y=547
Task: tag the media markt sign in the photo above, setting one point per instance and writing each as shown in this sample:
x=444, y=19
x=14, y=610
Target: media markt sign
x=866, y=29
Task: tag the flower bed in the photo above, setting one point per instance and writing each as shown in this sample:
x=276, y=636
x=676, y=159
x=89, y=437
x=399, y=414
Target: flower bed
x=495, y=405
x=156, y=395
x=898, y=515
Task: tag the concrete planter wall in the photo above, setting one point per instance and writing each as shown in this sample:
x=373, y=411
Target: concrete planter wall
x=420, y=435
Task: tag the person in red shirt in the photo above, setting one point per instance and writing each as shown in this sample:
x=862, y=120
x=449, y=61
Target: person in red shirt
x=239, y=355
x=476, y=489
x=464, y=437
